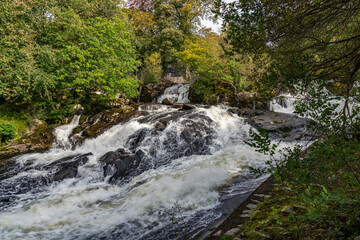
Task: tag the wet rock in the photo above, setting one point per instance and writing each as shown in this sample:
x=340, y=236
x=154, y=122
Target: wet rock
x=177, y=106
x=218, y=233
x=67, y=167
x=44, y=174
x=120, y=164
x=188, y=107
x=8, y=168
x=160, y=126
x=192, y=134
x=280, y=125
x=232, y=231
x=234, y=111
x=250, y=112
x=151, y=91
x=168, y=101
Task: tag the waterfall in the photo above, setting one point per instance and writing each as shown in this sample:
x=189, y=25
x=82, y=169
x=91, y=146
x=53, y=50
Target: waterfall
x=178, y=92
x=134, y=180
x=63, y=132
x=284, y=103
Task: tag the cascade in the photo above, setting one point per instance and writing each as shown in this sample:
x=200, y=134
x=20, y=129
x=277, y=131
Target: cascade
x=178, y=92
x=284, y=103
x=142, y=179
x=63, y=132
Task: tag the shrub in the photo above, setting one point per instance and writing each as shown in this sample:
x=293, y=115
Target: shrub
x=7, y=131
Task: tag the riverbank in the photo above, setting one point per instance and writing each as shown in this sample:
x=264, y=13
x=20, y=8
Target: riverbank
x=231, y=225
x=317, y=197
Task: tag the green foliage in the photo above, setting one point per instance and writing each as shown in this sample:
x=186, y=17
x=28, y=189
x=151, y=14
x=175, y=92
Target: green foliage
x=53, y=51
x=21, y=78
x=304, y=41
x=166, y=25
x=218, y=73
x=152, y=71
x=7, y=131
x=307, y=46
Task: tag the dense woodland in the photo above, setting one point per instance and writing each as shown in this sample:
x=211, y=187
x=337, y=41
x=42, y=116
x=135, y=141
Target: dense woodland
x=56, y=54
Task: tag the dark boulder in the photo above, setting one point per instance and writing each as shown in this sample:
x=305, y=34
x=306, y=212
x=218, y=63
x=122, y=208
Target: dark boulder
x=188, y=107
x=56, y=171
x=168, y=101
x=67, y=167
x=151, y=91
x=280, y=125
x=192, y=134
x=120, y=164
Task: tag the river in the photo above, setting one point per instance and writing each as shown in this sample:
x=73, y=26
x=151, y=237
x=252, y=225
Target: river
x=173, y=170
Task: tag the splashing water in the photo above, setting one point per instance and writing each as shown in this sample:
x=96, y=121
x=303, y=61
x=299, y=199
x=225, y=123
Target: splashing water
x=284, y=103
x=178, y=92
x=185, y=165
x=63, y=132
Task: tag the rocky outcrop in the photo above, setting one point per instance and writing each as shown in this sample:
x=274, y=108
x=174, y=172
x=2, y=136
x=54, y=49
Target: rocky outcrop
x=56, y=171
x=193, y=135
x=151, y=91
x=120, y=164
x=97, y=124
x=67, y=167
x=168, y=101
x=246, y=99
x=152, y=147
x=280, y=125
x=39, y=137
x=188, y=107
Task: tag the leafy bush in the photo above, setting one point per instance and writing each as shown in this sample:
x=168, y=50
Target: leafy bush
x=152, y=68
x=7, y=131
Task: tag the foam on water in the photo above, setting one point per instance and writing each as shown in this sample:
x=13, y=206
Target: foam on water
x=284, y=103
x=63, y=132
x=178, y=92
x=88, y=206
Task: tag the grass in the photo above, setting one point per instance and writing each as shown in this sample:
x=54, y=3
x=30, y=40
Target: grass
x=12, y=115
x=318, y=197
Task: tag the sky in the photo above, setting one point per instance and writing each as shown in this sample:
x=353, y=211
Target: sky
x=216, y=27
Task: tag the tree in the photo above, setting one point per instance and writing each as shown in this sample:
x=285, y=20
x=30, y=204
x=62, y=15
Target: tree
x=303, y=39
x=152, y=71
x=52, y=48
x=94, y=54
x=205, y=56
x=22, y=78
x=142, y=5
x=164, y=25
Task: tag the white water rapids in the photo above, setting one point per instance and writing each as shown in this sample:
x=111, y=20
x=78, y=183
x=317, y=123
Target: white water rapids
x=164, y=195
x=178, y=92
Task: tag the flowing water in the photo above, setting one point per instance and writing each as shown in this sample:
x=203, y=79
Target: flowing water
x=284, y=103
x=187, y=168
x=178, y=92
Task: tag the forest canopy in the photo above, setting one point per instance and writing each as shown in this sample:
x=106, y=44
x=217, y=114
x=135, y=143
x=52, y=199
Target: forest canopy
x=53, y=49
